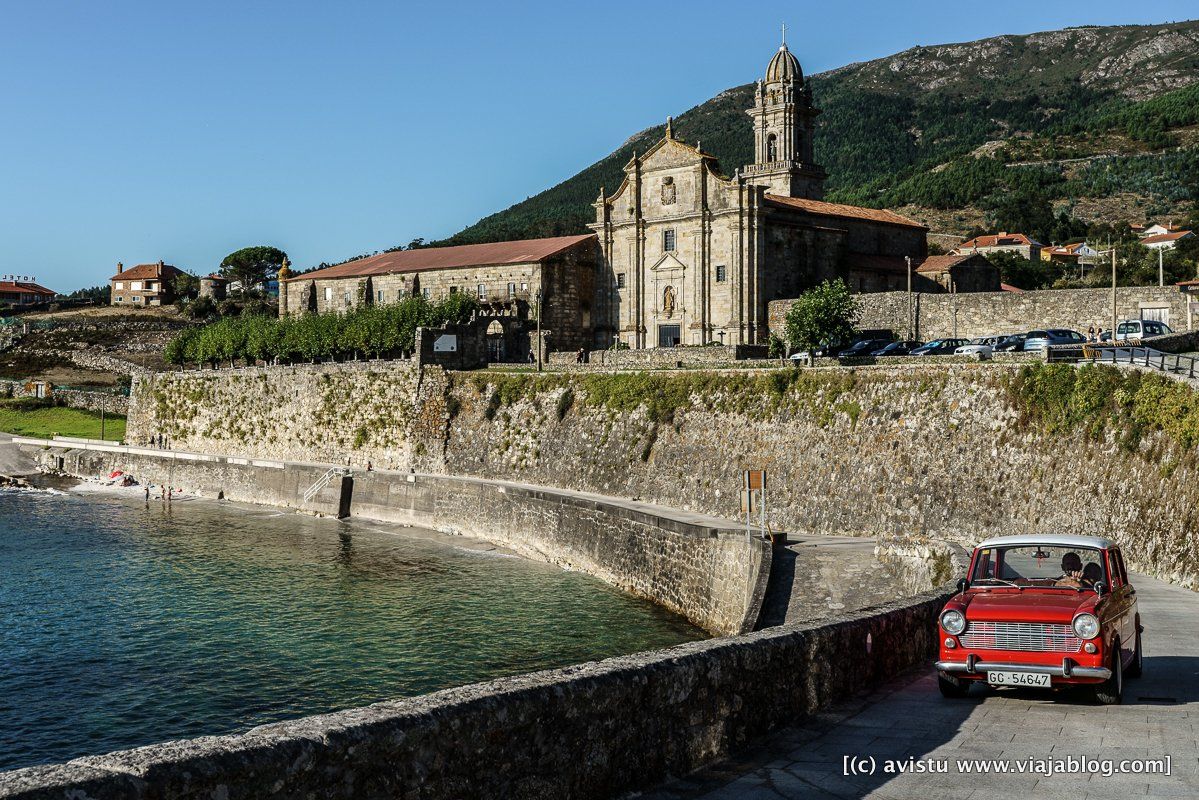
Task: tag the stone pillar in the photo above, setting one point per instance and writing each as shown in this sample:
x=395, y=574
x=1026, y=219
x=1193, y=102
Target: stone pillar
x=284, y=274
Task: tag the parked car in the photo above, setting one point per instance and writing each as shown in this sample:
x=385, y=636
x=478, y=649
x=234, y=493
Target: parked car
x=1135, y=329
x=898, y=348
x=863, y=348
x=1039, y=340
x=1042, y=611
x=1013, y=343
x=939, y=347
x=979, y=345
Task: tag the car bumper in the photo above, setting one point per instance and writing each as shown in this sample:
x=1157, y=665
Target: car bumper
x=1067, y=669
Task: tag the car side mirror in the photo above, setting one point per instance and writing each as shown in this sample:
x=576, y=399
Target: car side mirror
x=963, y=585
x=1100, y=588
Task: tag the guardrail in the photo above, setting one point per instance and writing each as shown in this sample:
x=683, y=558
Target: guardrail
x=1147, y=357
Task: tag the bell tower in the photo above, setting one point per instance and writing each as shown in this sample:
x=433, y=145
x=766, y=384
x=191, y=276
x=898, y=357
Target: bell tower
x=784, y=127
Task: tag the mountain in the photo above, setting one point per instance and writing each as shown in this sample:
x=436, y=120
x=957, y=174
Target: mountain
x=1101, y=123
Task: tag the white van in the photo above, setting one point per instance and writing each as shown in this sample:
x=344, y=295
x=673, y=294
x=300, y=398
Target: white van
x=1137, y=329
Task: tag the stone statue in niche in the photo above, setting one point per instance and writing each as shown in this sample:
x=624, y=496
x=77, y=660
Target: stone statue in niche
x=668, y=191
x=668, y=302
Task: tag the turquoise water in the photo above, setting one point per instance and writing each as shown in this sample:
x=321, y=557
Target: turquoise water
x=122, y=625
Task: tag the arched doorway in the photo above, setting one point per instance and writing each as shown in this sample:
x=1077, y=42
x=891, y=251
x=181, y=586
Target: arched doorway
x=495, y=342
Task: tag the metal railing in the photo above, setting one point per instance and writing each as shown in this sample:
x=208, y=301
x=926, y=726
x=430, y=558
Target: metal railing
x=322, y=482
x=1138, y=356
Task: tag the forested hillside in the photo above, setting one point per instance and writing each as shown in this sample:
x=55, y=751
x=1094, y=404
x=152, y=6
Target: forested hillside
x=1101, y=124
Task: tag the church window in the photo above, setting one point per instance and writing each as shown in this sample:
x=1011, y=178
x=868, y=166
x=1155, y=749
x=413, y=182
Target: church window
x=346, y=298
x=428, y=293
x=524, y=287
x=328, y=294
x=512, y=290
x=772, y=148
x=482, y=290
x=620, y=280
x=668, y=240
x=379, y=295
x=721, y=273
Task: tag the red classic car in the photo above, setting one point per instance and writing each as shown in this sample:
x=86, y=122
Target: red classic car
x=1042, y=611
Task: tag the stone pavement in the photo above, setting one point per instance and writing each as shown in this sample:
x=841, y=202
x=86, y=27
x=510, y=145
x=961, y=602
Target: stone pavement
x=909, y=718
x=814, y=576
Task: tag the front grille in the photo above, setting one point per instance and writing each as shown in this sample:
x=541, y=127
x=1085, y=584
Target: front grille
x=1030, y=636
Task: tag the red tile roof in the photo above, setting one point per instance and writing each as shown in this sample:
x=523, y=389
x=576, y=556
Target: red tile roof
x=999, y=240
x=942, y=263
x=1007, y=287
x=896, y=264
x=468, y=255
x=143, y=271
x=1158, y=238
x=821, y=208
x=25, y=287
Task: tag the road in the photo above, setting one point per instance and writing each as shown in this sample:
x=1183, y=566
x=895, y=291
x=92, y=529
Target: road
x=909, y=718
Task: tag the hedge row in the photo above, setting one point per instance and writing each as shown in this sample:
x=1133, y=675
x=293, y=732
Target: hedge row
x=373, y=331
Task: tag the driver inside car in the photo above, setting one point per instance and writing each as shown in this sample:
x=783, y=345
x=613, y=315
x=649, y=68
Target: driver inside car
x=1071, y=570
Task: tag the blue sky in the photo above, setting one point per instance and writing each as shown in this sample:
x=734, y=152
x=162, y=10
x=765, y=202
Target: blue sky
x=134, y=131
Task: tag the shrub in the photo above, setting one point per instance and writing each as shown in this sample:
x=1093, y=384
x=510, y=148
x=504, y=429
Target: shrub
x=373, y=330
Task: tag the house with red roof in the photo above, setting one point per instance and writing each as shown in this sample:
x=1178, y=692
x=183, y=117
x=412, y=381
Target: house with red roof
x=20, y=290
x=1002, y=242
x=1166, y=241
x=144, y=285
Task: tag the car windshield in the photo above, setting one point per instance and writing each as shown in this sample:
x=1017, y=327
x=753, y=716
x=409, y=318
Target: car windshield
x=1036, y=335
x=1042, y=566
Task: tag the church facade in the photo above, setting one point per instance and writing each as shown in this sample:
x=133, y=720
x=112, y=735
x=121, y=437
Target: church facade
x=691, y=256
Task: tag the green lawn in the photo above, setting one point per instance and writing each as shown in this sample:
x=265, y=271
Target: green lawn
x=46, y=421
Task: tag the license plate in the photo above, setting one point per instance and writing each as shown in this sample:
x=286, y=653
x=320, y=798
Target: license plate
x=1007, y=678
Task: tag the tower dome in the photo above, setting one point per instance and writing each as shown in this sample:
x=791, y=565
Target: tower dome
x=784, y=67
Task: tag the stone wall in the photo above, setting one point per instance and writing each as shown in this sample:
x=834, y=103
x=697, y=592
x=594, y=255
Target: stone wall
x=714, y=576
x=585, y=732
x=109, y=402
x=938, y=449
x=663, y=357
x=348, y=413
x=987, y=313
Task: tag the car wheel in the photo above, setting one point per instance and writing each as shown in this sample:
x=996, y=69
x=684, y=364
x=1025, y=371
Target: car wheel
x=1136, y=667
x=1111, y=691
x=952, y=687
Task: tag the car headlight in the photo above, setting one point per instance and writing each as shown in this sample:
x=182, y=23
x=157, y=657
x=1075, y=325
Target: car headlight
x=1086, y=626
x=953, y=622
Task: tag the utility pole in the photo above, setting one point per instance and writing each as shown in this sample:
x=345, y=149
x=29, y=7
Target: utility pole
x=539, y=342
x=911, y=335
x=1113, y=296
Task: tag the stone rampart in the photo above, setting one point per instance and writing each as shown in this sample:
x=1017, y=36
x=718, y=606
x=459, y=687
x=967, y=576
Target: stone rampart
x=343, y=413
x=712, y=574
x=939, y=449
x=585, y=732
x=987, y=313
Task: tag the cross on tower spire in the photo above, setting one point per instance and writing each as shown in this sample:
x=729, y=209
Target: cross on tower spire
x=784, y=34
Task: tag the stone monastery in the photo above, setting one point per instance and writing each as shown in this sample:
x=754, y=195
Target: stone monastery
x=681, y=253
